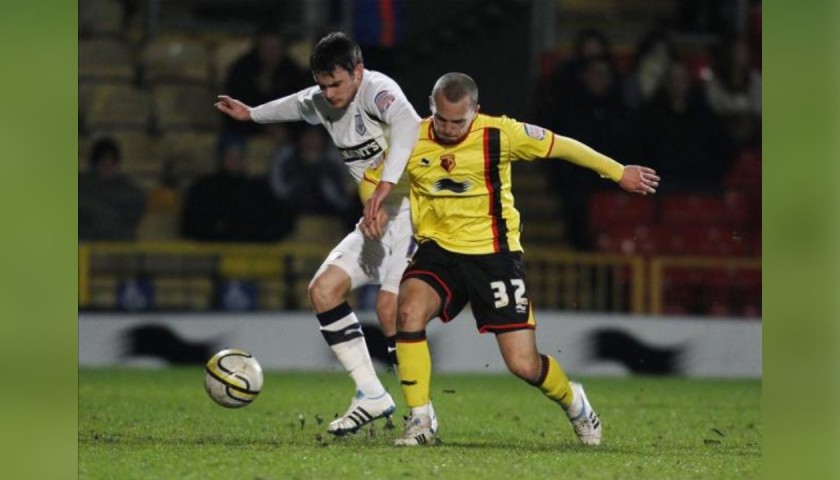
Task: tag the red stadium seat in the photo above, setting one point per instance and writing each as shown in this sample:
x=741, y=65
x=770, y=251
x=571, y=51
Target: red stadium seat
x=738, y=209
x=746, y=172
x=694, y=209
x=709, y=240
x=612, y=208
x=627, y=239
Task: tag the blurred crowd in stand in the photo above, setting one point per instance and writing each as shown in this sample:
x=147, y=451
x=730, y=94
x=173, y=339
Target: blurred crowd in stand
x=692, y=117
x=157, y=162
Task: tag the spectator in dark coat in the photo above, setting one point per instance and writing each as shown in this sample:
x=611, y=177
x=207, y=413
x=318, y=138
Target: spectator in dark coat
x=110, y=204
x=263, y=74
x=230, y=206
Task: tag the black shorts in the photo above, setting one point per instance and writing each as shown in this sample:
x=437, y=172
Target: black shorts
x=493, y=284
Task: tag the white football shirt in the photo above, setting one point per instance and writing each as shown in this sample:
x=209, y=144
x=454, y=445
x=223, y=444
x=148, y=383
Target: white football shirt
x=378, y=121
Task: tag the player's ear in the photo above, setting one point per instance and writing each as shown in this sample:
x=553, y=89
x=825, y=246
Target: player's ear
x=477, y=108
x=358, y=70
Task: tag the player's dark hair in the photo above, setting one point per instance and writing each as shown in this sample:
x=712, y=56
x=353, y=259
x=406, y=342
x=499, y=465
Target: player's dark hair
x=455, y=86
x=335, y=50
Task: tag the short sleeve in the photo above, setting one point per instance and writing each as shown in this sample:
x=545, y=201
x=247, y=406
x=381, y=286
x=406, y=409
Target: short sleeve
x=386, y=101
x=306, y=105
x=527, y=142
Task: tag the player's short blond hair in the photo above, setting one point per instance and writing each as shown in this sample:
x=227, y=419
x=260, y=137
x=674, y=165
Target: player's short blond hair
x=455, y=86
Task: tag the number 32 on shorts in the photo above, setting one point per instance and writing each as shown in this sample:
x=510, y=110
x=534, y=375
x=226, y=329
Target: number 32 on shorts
x=500, y=293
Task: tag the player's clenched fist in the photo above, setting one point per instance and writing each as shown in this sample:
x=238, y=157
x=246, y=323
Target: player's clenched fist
x=373, y=230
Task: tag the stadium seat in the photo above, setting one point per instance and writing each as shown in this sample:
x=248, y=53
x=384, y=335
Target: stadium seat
x=745, y=177
x=259, y=151
x=192, y=153
x=754, y=242
x=300, y=52
x=100, y=17
x=739, y=212
x=694, y=209
x=117, y=106
x=611, y=208
x=317, y=229
x=628, y=239
x=140, y=153
x=185, y=107
x=711, y=240
x=87, y=91
x=158, y=226
x=746, y=172
x=246, y=265
x=103, y=292
x=85, y=145
x=105, y=59
x=176, y=59
x=271, y=295
x=682, y=276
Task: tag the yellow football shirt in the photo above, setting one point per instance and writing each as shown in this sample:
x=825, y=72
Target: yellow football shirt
x=370, y=179
x=461, y=194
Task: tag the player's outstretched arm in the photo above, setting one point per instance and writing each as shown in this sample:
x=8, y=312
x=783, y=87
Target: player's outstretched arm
x=234, y=108
x=638, y=179
x=633, y=178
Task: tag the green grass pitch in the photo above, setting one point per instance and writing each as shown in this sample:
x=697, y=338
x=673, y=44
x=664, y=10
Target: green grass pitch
x=159, y=424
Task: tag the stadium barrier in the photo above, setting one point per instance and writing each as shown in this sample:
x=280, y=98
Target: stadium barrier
x=586, y=344
x=185, y=276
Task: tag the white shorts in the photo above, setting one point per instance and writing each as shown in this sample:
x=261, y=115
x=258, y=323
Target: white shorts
x=375, y=262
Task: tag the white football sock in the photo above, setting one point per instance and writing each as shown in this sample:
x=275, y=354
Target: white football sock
x=354, y=357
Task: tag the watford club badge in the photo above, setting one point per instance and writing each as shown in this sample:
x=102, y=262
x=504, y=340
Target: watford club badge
x=447, y=162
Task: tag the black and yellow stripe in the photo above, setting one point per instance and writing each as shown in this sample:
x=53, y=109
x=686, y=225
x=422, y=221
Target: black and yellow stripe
x=493, y=183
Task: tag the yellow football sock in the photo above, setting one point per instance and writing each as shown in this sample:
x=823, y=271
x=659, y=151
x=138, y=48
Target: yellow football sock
x=555, y=384
x=415, y=367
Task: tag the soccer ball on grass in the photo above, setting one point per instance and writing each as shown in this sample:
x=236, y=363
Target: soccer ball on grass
x=233, y=378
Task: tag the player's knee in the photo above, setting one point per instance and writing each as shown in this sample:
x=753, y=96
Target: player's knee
x=409, y=317
x=386, y=311
x=324, y=293
x=524, y=368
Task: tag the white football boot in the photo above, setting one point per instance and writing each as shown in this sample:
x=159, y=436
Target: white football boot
x=362, y=411
x=433, y=418
x=586, y=423
x=418, y=431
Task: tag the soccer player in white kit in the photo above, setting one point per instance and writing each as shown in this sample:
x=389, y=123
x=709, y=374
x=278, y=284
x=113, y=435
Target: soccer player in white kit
x=375, y=128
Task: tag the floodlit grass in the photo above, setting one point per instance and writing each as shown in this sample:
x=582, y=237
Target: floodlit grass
x=159, y=424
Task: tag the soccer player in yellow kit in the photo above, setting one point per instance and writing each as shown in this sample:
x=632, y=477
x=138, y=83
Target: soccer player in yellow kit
x=468, y=233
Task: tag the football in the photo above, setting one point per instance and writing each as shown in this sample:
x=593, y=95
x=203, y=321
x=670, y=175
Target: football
x=233, y=378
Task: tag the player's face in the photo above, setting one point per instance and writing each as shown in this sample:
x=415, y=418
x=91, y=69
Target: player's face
x=451, y=120
x=340, y=86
